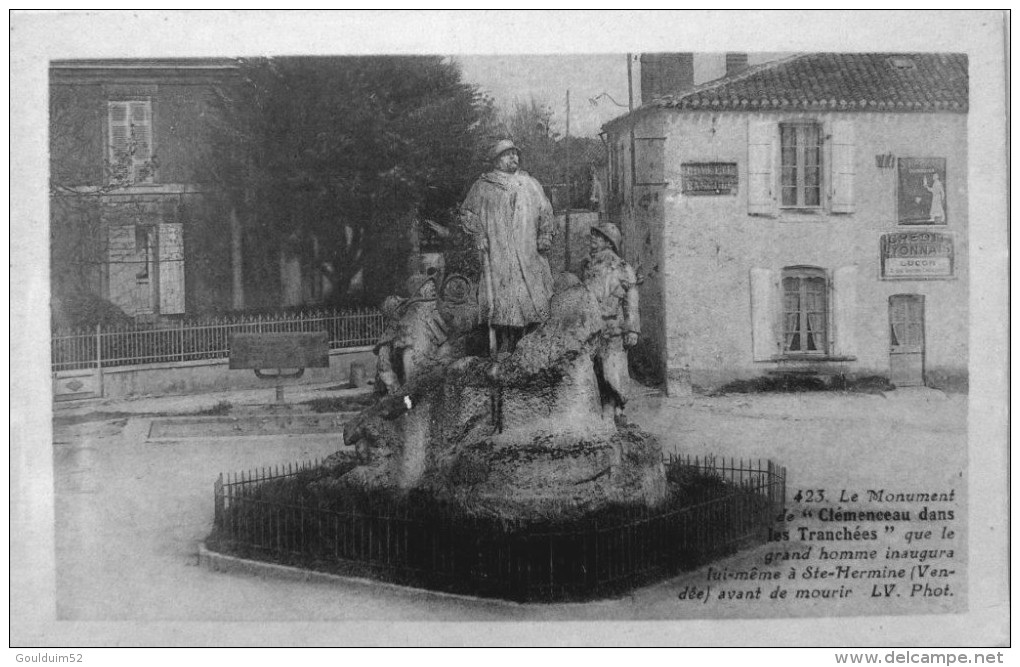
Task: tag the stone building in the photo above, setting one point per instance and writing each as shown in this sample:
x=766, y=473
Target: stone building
x=133, y=218
x=807, y=215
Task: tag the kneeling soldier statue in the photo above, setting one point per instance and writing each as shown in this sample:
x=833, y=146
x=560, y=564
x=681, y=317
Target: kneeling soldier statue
x=614, y=284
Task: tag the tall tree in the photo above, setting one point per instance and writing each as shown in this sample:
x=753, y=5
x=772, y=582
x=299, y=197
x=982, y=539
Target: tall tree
x=332, y=157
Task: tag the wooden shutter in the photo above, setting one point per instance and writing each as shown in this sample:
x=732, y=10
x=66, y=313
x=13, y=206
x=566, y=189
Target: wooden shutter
x=764, y=304
x=120, y=130
x=761, y=140
x=649, y=163
x=141, y=133
x=171, y=269
x=844, y=311
x=130, y=127
x=841, y=167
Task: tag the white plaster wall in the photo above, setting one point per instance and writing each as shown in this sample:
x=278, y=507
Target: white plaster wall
x=711, y=243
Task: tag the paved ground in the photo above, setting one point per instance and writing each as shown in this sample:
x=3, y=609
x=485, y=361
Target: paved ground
x=130, y=511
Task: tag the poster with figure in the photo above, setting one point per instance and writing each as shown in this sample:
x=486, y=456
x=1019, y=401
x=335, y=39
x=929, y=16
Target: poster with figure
x=922, y=191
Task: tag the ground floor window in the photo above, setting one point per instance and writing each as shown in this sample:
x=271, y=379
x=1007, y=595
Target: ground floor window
x=805, y=311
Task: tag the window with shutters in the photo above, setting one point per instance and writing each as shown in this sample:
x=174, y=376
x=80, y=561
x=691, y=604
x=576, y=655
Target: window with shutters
x=130, y=141
x=800, y=165
x=805, y=311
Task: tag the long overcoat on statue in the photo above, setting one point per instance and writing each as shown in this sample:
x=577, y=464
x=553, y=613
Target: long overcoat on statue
x=510, y=218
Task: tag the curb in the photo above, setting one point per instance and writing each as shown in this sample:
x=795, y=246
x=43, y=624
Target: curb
x=217, y=562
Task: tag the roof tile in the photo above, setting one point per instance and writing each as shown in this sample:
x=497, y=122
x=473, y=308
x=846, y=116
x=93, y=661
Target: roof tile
x=848, y=81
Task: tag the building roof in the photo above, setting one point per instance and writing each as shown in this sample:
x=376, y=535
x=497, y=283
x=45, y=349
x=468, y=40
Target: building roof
x=146, y=63
x=200, y=71
x=836, y=82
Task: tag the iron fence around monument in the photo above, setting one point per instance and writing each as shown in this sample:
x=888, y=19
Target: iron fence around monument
x=722, y=507
x=203, y=338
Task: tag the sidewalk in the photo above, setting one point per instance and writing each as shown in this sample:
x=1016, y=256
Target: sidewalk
x=192, y=403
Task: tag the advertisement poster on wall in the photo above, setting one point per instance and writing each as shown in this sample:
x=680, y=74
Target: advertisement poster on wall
x=922, y=191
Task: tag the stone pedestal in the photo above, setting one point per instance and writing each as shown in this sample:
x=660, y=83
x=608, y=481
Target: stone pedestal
x=556, y=453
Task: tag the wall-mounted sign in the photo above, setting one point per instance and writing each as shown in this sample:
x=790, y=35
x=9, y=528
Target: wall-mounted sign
x=922, y=191
x=708, y=178
x=917, y=255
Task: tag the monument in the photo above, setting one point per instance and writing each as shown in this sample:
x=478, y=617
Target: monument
x=497, y=459
x=521, y=432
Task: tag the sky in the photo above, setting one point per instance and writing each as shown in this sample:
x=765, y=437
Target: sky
x=597, y=82
x=548, y=78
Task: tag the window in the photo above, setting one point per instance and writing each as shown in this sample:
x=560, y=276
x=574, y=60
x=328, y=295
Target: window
x=800, y=165
x=801, y=150
x=143, y=247
x=130, y=141
x=805, y=311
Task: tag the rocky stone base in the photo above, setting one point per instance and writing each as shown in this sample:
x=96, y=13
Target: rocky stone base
x=524, y=438
x=554, y=475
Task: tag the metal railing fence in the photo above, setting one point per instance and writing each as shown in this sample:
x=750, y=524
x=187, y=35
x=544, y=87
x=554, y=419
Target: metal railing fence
x=411, y=543
x=187, y=340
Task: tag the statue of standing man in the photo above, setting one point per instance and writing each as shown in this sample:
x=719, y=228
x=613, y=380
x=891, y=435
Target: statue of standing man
x=511, y=220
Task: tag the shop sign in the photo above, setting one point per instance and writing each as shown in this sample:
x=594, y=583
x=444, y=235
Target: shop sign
x=708, y=178
x=922, y=191
x=917, y=255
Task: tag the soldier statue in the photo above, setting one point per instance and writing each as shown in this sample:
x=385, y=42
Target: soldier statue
x=614, y=284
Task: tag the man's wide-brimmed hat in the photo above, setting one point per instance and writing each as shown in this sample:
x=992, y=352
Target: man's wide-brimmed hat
x=610, y=232
x=502, y=146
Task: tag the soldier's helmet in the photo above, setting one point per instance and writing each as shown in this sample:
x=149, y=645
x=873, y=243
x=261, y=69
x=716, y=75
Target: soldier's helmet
x=610, y=232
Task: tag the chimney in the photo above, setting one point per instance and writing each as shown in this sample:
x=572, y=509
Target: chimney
x=665, y=74
x=735, y=63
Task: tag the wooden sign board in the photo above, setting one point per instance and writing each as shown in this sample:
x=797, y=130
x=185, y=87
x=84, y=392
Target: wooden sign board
x=279, y=350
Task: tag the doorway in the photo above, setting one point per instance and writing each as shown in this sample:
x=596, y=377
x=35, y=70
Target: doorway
x=906, y=340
